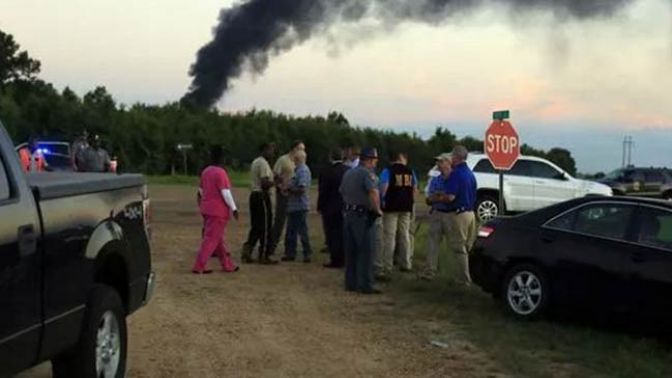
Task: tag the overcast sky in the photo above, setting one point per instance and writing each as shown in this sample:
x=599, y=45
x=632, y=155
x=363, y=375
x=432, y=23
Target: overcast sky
x=582, y=85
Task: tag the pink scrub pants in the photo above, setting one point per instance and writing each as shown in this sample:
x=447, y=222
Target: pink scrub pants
x=213, y=243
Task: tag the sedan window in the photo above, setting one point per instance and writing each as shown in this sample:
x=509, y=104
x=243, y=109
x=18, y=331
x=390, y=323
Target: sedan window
x=603, y=220
x=634, y=176
x=655, y=228
x=653, y=176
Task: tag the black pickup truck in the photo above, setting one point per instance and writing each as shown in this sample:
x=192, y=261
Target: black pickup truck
x=74, y=263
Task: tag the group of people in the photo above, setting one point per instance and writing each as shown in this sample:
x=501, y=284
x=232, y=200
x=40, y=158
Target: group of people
x=86, y=155
x=367, y=218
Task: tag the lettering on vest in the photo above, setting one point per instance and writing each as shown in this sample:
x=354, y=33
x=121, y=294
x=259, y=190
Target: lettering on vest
x=399, y=195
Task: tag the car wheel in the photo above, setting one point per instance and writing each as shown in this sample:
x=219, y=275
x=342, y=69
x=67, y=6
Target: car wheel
x=101, y=351
x=525, y=292
x=667, y=195
x=487, y=208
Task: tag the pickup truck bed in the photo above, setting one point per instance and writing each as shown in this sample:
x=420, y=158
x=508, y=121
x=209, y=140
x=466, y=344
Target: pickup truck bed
x=51, y=186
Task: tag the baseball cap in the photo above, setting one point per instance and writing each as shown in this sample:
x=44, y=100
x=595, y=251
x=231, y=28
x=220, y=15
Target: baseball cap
x=369, y=153
x=443, y=157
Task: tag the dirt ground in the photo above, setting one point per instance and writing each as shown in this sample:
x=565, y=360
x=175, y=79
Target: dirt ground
x=290, y=320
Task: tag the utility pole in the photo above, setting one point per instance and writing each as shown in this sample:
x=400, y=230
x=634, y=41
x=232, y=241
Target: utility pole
x=628, y=143
x=625, y=140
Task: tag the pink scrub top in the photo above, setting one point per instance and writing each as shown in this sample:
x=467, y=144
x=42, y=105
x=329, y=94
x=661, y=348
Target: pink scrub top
x=213, y=180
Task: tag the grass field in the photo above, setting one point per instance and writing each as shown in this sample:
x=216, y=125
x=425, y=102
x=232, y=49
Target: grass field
x=571, y=346
x=239, y=179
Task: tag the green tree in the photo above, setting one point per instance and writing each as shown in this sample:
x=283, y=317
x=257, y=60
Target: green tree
x=15, y=64
x=563, y=158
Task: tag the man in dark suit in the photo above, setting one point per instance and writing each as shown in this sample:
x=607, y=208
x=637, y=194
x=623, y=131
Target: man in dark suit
x=330, y=207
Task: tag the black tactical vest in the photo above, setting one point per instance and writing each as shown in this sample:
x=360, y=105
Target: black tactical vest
x=399, y=195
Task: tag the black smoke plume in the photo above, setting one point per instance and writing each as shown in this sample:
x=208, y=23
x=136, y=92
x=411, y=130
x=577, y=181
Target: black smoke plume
x=251, y=32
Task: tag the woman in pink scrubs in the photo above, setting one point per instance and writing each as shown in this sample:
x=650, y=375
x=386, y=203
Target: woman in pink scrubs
x=217, y=207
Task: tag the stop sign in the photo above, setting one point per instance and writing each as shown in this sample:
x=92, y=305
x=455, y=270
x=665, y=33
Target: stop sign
x=502, y=145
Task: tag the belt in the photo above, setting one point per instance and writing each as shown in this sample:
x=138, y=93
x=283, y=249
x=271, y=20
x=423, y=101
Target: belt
x=457, y=211
x=356, y=209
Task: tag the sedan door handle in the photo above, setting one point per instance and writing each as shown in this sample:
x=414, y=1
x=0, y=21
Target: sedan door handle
x=637, y=257
x=547, y=240
x=27, y=240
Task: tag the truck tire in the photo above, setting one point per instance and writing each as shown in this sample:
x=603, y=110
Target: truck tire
x=101, y=351
x=487, y=208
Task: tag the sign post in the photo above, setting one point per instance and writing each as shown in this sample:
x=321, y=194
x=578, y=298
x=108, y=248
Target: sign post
x=184, y=148
x=502, y=146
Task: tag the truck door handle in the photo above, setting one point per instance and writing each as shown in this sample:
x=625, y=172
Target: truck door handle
x=27, y=240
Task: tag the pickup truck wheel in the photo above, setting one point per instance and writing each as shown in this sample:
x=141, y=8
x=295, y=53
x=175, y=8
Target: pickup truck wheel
x=101, y=352
x=487, y=208
x=525, y=292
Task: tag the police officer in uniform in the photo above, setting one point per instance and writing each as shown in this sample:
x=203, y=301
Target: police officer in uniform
x=94, y=158
x=361, y=199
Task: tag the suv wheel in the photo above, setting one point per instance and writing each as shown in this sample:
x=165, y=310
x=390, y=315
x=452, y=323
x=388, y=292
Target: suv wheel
x=487, y=208
x=101, y=351
x=525, y=292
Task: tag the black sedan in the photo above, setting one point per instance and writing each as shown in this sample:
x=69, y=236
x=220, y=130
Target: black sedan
x=610, y=252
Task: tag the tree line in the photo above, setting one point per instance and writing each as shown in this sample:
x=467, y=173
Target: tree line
x=144, y=137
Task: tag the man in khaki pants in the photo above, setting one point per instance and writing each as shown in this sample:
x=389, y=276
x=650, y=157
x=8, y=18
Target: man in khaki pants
x=453, y=196
x=398, y=188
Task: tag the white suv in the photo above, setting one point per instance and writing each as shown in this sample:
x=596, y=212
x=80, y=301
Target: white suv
x=531, y=184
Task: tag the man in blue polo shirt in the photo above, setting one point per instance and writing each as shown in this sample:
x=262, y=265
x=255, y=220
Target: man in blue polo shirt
x=452, y=196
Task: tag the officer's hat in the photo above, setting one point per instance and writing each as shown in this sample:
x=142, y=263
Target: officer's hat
x=369, y=153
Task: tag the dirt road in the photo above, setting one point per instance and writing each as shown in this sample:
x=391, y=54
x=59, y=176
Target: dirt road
x=291, y=320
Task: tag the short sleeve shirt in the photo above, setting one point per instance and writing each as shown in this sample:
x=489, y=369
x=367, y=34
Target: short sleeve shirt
x=431, y=175
x=356, y=185
x=213, y=180
x=385, y=178
x=462, y=184
x=302, y=179
x=284, y=169
x=439, y=184
x=259, y=170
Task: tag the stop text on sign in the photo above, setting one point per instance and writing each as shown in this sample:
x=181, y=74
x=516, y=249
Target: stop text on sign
x=502, y=144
